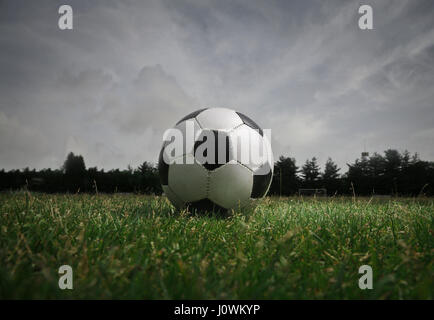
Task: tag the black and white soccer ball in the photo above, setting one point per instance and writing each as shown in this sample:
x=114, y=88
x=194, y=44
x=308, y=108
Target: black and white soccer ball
x=223, y=176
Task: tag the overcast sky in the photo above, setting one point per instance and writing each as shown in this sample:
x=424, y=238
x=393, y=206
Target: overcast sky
x=127, y=71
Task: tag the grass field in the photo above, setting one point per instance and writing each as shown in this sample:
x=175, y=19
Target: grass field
x=132, y=246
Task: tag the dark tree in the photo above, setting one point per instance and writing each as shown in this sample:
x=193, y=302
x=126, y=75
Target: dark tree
x=330, y=178
x=393, y=161
x=150, y=181
x=417, y=178
x=358, y=177
x=331, y=170
x=74, y=165
x=75, y=173
x=285, y=180
x=146, y=168
x=310, y=170
x=376, y=165
x=405, y=159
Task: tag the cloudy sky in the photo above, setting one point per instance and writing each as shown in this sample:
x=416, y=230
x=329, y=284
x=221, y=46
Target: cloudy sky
x=127, y=71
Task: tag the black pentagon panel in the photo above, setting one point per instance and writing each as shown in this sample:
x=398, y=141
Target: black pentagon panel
x=249, y=122
x=215, y=163
x=191, y=115
x=163, y=169
x=261, y=183
x=205, y=206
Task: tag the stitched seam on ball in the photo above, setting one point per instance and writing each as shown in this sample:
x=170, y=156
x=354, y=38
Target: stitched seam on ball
x=242, y=164
x=208, y=178
x=236, y=127
x=198, y=122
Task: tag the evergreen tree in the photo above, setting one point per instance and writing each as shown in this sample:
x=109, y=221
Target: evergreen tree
x=376, y=165
x=74, y=165
x=331, y=170
x=405, y=159
x=150, y=181
x=75, y=173
x=393, y=161
x=285, y=180
x=310, y=170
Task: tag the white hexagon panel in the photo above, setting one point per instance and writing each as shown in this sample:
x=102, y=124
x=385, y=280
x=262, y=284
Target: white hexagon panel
x=230, y=186
x=219, y=119
x=188, y=180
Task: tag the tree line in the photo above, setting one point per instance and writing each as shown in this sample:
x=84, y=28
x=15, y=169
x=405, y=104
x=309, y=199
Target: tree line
x=73, y=177
x=394, y=173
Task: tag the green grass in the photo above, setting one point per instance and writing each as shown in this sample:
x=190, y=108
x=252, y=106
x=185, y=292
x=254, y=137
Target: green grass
x=131, y=246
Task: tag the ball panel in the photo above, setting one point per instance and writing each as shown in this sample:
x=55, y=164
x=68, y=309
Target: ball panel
x=249, y=147
x=205, y=205
x=269, y=152
x=191, y=115
x=173, y=198
x=188, y=131
x=231, y=185
x=219, y=119
x=249, y=122
x=163, y=168
x=213, y=154
x=189, y=180
x=261, y=181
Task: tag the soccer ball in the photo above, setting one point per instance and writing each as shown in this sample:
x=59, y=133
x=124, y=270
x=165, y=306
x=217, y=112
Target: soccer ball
x=215, y=160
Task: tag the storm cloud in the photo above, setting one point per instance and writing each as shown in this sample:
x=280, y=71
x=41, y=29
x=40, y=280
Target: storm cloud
x=127, y=71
